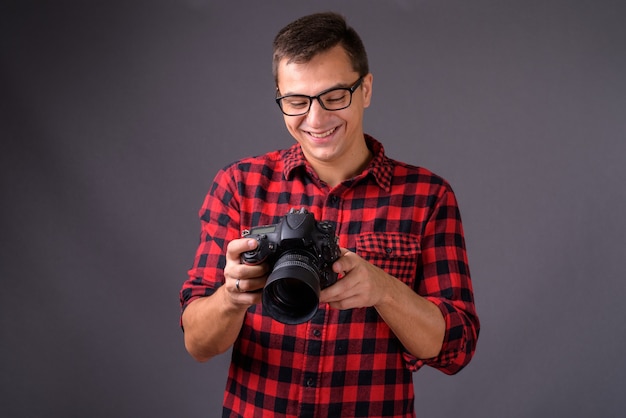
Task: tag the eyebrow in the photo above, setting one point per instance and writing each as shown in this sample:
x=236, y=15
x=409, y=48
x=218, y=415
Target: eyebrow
x=336, y=86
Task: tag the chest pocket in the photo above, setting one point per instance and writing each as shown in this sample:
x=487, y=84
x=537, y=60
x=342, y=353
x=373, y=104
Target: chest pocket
x=397, y=254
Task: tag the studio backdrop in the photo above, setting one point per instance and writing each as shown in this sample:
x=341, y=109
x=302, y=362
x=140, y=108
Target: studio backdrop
x=116, y=115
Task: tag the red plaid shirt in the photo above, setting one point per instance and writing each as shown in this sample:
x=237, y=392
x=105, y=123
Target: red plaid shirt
x=401, y=218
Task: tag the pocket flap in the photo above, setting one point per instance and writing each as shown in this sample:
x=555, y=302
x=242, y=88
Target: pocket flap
x=392, y=245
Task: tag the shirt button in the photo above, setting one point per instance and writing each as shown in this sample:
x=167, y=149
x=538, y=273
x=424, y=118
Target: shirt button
x=310, y=382
x=317, y=333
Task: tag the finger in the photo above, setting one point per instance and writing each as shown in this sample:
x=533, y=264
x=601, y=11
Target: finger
x=337, y=291
x=238, y=246
x=343, y=264
x=247, y=285
x=249, y=278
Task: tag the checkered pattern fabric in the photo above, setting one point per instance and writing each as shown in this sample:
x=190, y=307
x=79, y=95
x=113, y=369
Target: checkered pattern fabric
x=401, y=218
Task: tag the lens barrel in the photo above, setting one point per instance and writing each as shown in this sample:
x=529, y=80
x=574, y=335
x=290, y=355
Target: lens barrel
x=291, y=294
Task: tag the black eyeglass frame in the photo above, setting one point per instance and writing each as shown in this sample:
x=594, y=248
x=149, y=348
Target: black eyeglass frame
x=317, y=97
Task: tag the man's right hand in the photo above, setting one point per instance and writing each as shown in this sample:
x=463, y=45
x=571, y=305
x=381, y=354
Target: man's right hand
x=243, y=282
x=212, y=323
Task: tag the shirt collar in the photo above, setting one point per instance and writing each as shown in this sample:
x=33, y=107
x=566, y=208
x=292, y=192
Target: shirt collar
x=381, y=167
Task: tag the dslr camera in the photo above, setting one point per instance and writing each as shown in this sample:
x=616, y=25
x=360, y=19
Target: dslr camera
x=301, y=252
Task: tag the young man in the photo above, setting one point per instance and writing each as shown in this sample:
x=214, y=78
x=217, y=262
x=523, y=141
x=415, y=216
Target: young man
x=404, y=296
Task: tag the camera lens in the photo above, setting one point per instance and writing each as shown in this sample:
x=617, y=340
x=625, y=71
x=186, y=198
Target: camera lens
x=291, y=294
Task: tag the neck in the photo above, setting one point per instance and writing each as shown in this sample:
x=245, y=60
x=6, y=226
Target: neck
x=336, y=172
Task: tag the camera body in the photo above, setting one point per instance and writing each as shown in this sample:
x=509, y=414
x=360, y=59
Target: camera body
x=301, y=252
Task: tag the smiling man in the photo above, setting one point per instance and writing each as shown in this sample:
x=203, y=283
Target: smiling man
x=403, y=298
x=328, y=127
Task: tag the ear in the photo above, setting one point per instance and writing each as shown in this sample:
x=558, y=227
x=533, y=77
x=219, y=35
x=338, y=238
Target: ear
x=366, y=88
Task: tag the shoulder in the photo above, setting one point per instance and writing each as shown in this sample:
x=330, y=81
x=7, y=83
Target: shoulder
x=393, y=173
x=255, y=163
x=408, y=173
x=248, y=174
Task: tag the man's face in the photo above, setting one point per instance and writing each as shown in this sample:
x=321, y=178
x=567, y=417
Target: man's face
x=328, y=138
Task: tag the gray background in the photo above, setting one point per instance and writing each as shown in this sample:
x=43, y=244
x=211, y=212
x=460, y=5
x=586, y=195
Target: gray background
x=115, y=116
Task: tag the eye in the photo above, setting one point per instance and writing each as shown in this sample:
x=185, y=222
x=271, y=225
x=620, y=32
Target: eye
x=296, y=102
x=335, y=96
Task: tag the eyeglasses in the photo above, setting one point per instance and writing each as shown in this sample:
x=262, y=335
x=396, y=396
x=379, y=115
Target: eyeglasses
x=331, y=99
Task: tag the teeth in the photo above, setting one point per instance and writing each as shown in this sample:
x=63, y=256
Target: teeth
x=323, y=134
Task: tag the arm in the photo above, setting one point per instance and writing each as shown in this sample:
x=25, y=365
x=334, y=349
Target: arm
x=212, y=323
x=417, y=322
x=435, y=319
x=213, y=310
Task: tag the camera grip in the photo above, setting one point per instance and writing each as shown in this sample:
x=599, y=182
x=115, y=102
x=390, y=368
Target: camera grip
x=260, y=253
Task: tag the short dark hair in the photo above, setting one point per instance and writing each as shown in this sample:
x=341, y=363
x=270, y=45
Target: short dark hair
x=310, y=35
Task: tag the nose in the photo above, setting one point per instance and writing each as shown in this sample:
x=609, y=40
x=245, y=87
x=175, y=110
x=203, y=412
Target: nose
x=316, y=111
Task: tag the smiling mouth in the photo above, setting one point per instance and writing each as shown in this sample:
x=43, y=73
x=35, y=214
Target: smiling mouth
x=322, y=134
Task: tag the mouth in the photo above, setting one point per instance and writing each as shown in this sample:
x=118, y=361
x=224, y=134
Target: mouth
x=322, y=135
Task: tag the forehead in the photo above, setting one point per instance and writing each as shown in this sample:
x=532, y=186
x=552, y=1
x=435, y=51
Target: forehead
x=328, y=69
